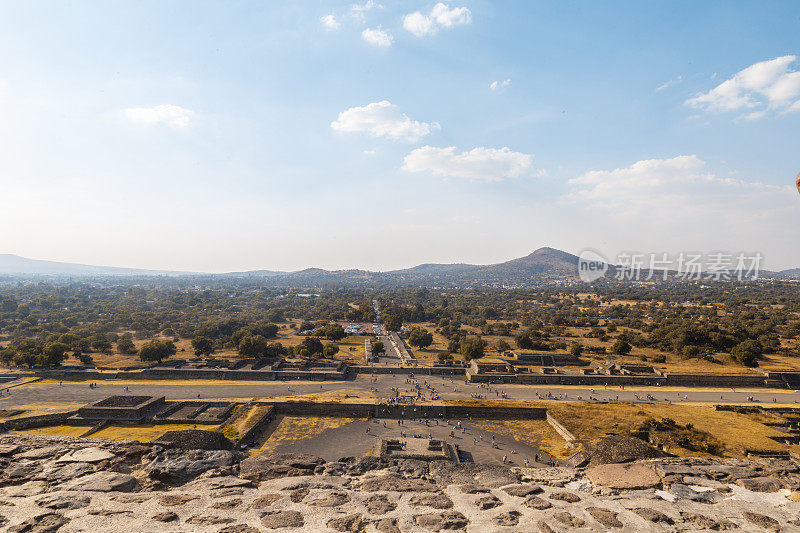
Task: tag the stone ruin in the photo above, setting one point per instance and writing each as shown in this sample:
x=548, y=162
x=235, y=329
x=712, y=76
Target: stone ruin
x=149, y=409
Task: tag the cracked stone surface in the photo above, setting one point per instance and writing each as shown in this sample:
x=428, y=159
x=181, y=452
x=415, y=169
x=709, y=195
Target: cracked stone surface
x=370, y=495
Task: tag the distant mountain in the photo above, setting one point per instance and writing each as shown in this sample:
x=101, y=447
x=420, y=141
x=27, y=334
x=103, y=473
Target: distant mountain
x=15, y=265
x=543, y=266
x=255, y=273
x=547, y=261
x=437, y=268
x=792, y=273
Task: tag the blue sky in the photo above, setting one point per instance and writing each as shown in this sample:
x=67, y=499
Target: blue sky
x=282, y=135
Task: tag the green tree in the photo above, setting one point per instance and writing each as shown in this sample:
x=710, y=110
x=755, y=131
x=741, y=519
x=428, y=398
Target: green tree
x=392, y=323
x=444, y=357
x=690, y=352
x=621, y=347
x=472, y=348
x=330, y=349
x=101, y=344
x=454, y=344
x=54, y=353
x=252, y=346
x=157, y=350
x=202, y=345
x=125, y=345
x=502, y=346
x=8, y=304
x=7, y=356
x=524, y=341
x=377, y=347
x=334, y=332
x=576, y=349
x=310, y=347
x=421, y=338
x=748, y=352
x=276, y=349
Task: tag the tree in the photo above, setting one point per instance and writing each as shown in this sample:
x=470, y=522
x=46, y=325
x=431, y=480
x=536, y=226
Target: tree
x=252, y=346
x=421, y=338
x=621, y=347
x=7, y=356
x=443, y=357
x=748, y=352
x=70, y=339
x=276, y=349
x=8, y=304
x=472, y=348
x=54, y=353
x=502, y=346
x=334, y=332
x=125, y=345
x=157, y=350
x=202, y=345
x=454, y=344
x=306, y=326
x=310, y=347
x=392, y=323
x=330, y=349
x=101, y=344
x=366, y=310
x=524, y=341
x=377, y=347
x=690, y=352
x=576, y=349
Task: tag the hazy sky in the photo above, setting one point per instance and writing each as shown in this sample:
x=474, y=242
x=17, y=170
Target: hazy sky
x=229, y=135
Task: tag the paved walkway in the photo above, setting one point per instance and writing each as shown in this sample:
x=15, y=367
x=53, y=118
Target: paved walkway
x=379, y=387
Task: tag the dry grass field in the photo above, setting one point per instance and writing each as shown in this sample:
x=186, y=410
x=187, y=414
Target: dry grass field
x=589, y=421
x=246, y=416
x=291, y=429
x=738, y=432
x=145, y=432
x=60, y=431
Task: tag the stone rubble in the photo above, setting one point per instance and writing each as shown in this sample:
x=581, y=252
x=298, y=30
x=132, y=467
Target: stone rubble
x=50, y=484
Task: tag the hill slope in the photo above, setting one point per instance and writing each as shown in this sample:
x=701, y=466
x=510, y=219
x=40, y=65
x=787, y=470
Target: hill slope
x=14, y=264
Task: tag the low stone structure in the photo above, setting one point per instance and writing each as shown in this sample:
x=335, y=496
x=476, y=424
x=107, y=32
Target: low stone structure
x=195, y=412
x=124, y=408
x=628, y=375
x=420, y=449
x=546, y=359
x=141, y=409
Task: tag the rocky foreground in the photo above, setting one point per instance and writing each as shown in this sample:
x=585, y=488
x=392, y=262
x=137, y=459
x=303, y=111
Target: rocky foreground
x=65, y=484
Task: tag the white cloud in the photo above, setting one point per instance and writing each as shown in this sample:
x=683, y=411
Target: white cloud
x=330, y=22
x=484, y=164
x=359, y=10
x=676, y=184
x=765, y=85
x=171, y=115
x=669, y=83
x=441, y=16
x=499, y=84
x=383, y=119
x=377, y=37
